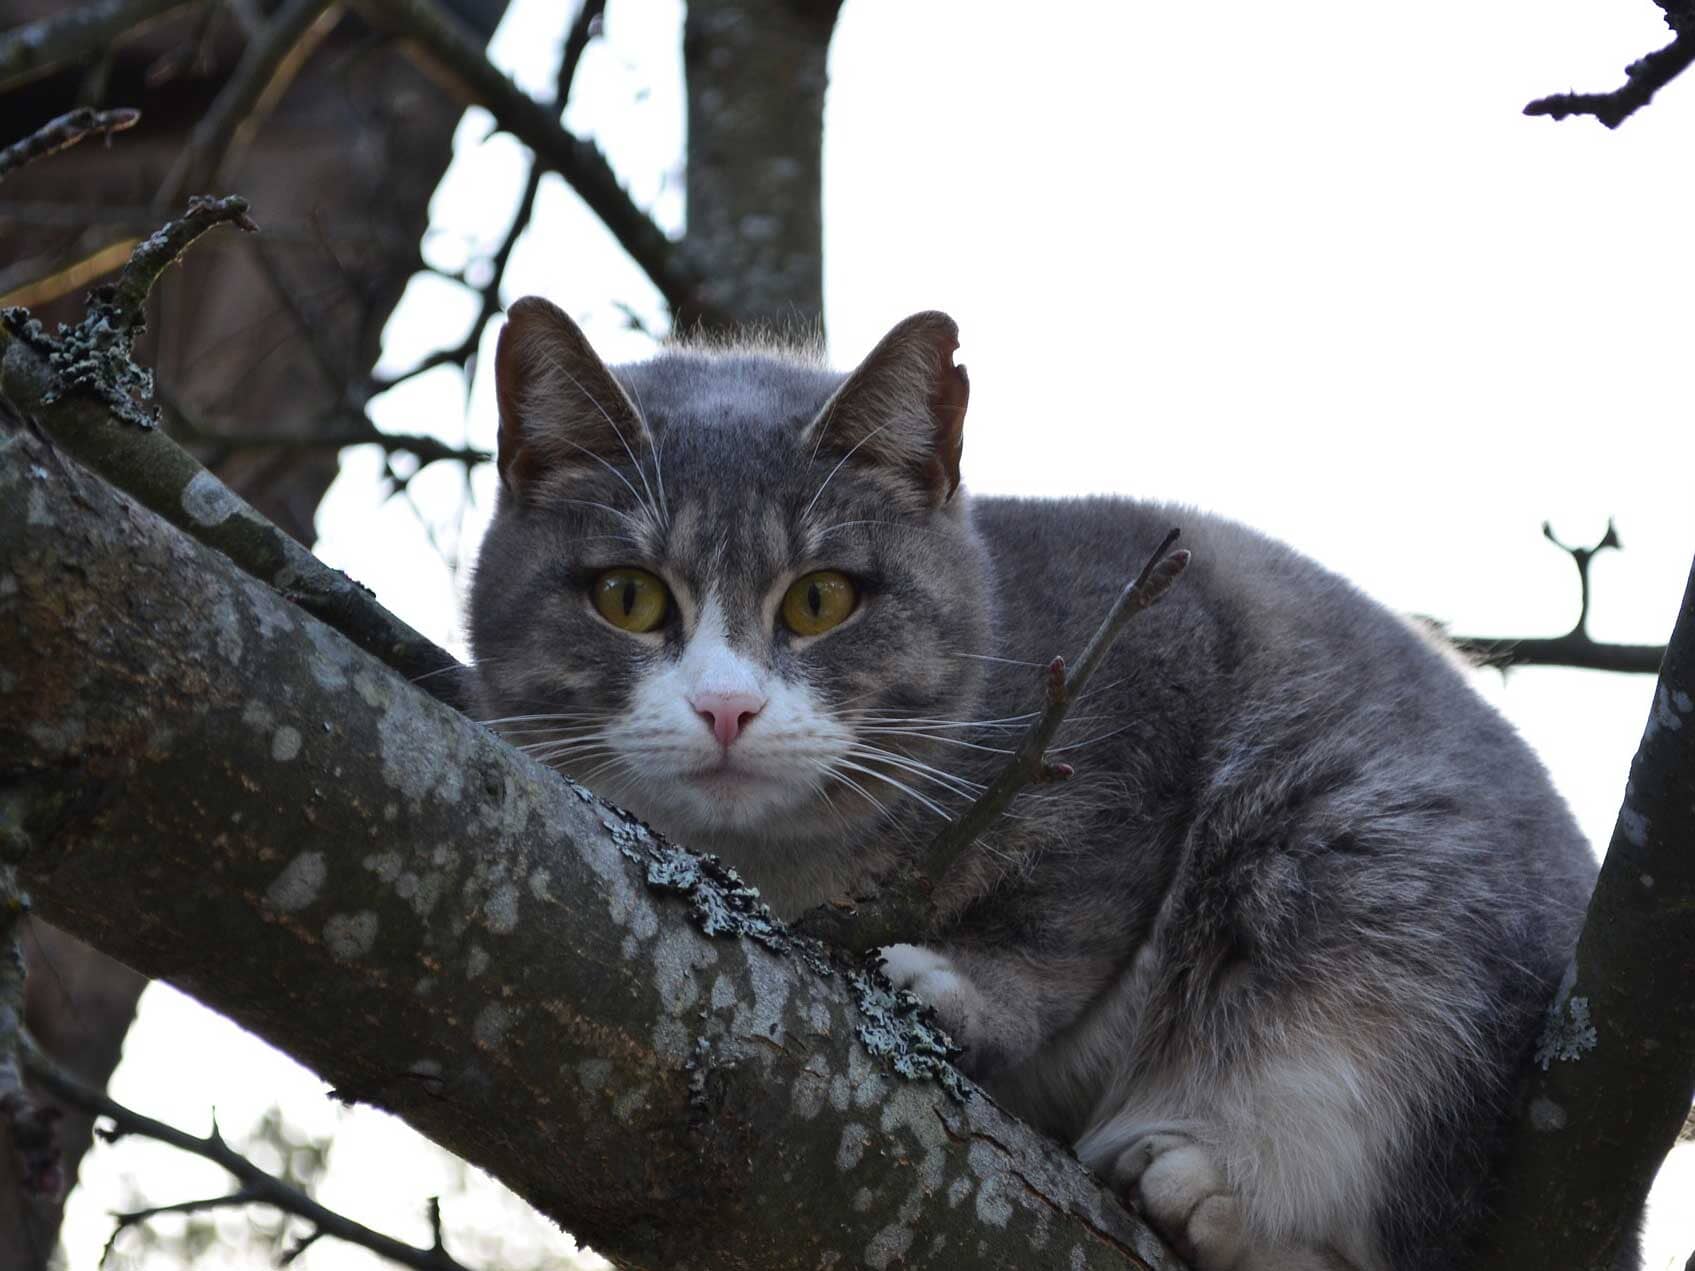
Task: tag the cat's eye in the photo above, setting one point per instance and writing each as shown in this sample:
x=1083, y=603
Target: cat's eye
x=819, y=601
x=631, y=599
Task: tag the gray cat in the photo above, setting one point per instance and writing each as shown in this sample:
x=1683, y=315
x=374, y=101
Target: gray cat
x=1270, y=961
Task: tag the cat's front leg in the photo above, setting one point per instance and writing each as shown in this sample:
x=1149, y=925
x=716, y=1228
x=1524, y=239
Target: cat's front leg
x=993, y=1030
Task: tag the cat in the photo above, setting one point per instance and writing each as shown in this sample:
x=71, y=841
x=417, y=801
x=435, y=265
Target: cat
x=1270, y=961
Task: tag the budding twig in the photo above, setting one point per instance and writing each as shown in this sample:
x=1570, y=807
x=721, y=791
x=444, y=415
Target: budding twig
x=1029, y=762
x=901, y=909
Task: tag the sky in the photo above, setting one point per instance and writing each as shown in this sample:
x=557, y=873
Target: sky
x=1307, y=266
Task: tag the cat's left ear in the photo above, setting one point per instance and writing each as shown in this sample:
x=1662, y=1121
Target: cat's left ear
x=903, y=408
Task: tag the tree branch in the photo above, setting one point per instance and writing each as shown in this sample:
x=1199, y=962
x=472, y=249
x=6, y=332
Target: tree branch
x=901, y=908
x=1576, y=648
x=38, y=47
x=579, y=162
x=1614, y=1072
x=256, y=1186
x=63, y=133
x=583, y=28
x=164, y=477
x=1643, y=78
x=273, y=56
x=666, y=1094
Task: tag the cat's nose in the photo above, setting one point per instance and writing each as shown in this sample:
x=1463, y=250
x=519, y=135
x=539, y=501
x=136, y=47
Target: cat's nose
x=727, y=713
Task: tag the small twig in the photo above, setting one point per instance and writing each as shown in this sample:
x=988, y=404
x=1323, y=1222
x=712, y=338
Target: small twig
x=1029, y=762
x=128, y=1218
x=63, y=133
x=359, y=431
x=93, y=358
x=37, y=373
x=902, y=908
x=1574, y=651
x=1581, y=557
x=256, y=1186
x=128, y=296
x=1576, y=648
x=581, y=163
x=269, y=64
x=72, y=34
x=1643, y=78
x=583, y=28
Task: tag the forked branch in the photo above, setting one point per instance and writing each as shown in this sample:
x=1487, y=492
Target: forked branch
x=255, y=1186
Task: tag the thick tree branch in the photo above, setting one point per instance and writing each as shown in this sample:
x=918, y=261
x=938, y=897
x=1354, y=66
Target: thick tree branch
x=1614, y=1072
x=228, y=795
x=579, y=162
x=166, y=478
x=755, y=71
x=256, y=1186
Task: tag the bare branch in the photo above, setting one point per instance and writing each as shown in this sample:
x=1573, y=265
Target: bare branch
x=71, y=35
x=128, y=296
x=901, y=907
x=63, y=133
x=1568, y=650
x=257, y=1187
x=1643, y=78
x=357, y=430
x=1614, y=1072
x=1576, y=648
x=159, y=473
x=583, y=28
x=271, y=60
x=579, y=162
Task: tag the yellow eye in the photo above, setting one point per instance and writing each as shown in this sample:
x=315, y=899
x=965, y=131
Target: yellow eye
x=631, y=599
x=818, y=602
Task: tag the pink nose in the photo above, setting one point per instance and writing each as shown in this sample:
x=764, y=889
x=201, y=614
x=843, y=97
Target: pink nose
x=727, y=713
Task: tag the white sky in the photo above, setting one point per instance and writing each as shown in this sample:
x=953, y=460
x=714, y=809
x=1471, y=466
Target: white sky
x=1306, y=265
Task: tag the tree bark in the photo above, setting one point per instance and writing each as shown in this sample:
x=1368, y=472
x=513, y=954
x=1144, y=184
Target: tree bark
x=756, y=72
x=224, y=793
x=1614, y=1074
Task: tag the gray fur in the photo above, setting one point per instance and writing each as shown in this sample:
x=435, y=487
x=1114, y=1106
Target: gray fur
x=1270, y=960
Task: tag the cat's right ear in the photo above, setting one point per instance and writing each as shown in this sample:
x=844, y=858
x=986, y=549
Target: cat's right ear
x=561, y=408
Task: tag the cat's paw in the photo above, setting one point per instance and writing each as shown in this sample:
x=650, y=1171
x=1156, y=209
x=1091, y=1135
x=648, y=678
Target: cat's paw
x=933, y=978
x=1182, y=1192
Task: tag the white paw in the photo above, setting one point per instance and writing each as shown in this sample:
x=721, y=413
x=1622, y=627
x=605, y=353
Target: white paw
x=1184, y=1195
x=932, y=978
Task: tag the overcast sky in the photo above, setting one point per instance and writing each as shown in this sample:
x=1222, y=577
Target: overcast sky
x=1306, y=265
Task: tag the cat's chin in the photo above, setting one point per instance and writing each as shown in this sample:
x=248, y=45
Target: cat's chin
x=704, y=809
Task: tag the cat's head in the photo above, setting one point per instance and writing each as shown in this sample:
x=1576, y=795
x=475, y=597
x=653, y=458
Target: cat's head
x=728, y=589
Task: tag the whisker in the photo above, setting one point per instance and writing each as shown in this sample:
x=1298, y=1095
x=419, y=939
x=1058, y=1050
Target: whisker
x=899, y=785
x=946, y=741
x=947, y=780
